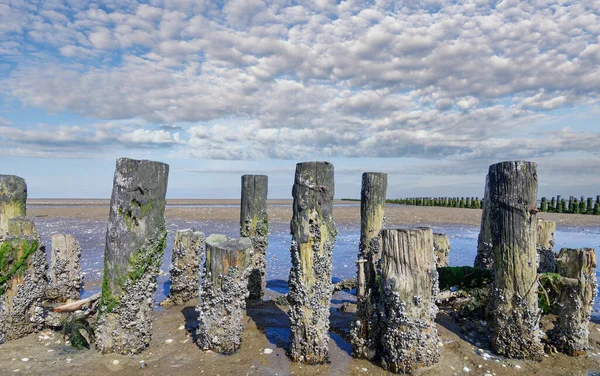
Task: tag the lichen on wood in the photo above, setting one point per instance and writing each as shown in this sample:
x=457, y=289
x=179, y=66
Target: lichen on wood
x=409, y=289
x=135, y=242
x=223, y=293
x=186, y=260
x=254, y=224
x=313, y=237
x=364, y=332
x=513, y=298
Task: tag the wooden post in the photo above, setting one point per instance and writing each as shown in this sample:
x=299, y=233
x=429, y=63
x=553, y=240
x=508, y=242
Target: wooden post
x=254, y=224
x=23, y=282
x=135, y=242
x=188, y=249
x=513, y=298
x=313, y=236
x=223, y=293
x=576, y=293
x=372, y=210
x=21, y=226
x=65, y=269
x=13, y=197
x=544, y=245
x=484, y=241
x=441, y=247
x=409, y=283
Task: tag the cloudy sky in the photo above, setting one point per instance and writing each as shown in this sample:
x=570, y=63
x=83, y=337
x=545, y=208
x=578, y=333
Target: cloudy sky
x=431, y=92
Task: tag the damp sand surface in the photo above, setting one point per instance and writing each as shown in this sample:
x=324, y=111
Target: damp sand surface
x=173, y=351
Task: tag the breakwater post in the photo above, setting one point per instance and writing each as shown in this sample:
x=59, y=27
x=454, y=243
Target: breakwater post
x=313, y=236
x=409, y=283
x=65, y=269
x=484, y=241
x=223, y=293
x=254, y=224
x=576, y=293
x=441, y=247
x=13, y=197
x=544, y=245
x=372, y=211
x=188, y=249
x=513, y=297
x=135, y=242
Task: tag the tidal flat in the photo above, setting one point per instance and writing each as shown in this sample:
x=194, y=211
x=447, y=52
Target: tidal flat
x=463, y=350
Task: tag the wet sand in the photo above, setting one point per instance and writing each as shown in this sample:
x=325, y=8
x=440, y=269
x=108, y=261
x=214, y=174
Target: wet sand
x=280, y=211
x=172, y=350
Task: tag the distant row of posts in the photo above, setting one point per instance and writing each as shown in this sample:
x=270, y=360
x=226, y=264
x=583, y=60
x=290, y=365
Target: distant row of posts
x=397, y=277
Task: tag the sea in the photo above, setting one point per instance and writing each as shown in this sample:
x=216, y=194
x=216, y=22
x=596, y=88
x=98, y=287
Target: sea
x=91, y=234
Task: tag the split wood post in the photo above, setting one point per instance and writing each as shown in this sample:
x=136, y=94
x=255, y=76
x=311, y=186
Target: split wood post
x=372, y=215
x=188, y=249
x=65, y=269
x=23, y=283
x=544, y=245
x=513, y=298
x=576, y=295
x=135, y=242
x=484, y=241
x=13, y=198
x=223, y=293
x=409, y=283
x=313, y=236
x=254, y=224
x=441, y=247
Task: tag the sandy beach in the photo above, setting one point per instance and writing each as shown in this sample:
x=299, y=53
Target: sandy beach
x=464, y=350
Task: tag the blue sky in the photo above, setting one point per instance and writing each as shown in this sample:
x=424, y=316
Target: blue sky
x=431, y=92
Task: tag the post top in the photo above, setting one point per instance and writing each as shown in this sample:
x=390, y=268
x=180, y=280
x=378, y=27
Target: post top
x=227, y=243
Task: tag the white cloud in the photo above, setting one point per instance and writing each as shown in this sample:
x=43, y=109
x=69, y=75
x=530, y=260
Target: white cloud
x=436, y=79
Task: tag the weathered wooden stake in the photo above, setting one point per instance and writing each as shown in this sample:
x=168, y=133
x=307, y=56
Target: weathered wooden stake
x=23, y=282
x=441, y=247
x=544, y=245
x=65, y=269
x=484, y=241
x=223, y=293
x=135, y=242
x=313, y=237
x=13, y=197
x=576, y=295
x=254, y=224
x=188, y=250
x=409, y=283
x=372, y=213
x=513, y=298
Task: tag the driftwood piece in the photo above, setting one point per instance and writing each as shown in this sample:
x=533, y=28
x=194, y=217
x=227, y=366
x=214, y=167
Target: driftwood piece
x=223, y=293
x=135, y=242
x=313, y=236
x=513, y=299
x=13, y=198
x=76, y=306
x=254, y=224
x=364, y=332
x=576, y=295
x=484, y=240
x=188, y=249
x=409, y=282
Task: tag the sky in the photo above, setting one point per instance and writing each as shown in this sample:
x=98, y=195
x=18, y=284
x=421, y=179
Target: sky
x=431, y=92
